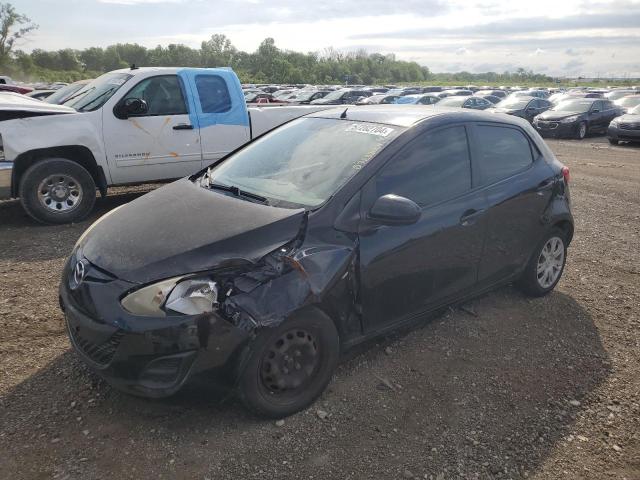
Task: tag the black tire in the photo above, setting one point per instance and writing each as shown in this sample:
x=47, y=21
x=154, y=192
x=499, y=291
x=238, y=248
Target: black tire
x=265, y=401
x=580, y=132
x=529, y=282
x=613, y=142
x=80, y=178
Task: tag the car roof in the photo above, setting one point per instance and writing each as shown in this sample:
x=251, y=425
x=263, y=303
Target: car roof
x=409, y=115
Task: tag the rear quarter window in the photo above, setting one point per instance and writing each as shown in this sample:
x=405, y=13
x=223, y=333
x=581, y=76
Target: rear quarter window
x=501, y=151
x=213, y=93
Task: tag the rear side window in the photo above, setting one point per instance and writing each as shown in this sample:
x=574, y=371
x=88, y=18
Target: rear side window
x=213, y=93
x=432, y=168
x=502, y=152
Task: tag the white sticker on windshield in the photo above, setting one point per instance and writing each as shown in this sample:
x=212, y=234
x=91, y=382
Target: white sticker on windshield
x=370, y=129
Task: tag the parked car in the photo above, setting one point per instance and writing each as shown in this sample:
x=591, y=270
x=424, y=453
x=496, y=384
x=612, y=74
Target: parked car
x=456, y=93
x=338, y=97
x=22, y=89
x=308, y=96
x=618, y=94
x=476, y=103
x=576, y=118
x=625, y=128
x=63, y=94
x=628, y=102
x=322, y=234
x=127, y=126
x=383, y=99
x=493, y=99
x=419, y=99
x=262, y=98
x=523, y=107
x=495, y=93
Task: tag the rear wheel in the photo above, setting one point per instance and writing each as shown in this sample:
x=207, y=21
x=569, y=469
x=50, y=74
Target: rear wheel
x=290, y=366
x=545, y=268
x=57, y=190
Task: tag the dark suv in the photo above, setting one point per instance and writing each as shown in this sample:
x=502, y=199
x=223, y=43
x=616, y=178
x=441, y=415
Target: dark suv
x=337, y=227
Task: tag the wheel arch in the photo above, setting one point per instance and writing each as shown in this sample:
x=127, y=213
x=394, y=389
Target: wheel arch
x=76, y=153
x=567, y=227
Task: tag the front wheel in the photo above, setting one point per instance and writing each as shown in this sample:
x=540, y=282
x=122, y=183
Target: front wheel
x=290, y=366
x=545, y=268
x=613, y=142
x=57, y=190
x=582, y=130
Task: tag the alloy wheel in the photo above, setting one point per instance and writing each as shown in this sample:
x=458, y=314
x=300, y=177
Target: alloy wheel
x=60, y=193
x=550, y=262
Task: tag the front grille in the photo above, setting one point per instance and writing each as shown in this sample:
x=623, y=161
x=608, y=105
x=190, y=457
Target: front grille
x=630, y=126
x=548, y=125
x=101, y=353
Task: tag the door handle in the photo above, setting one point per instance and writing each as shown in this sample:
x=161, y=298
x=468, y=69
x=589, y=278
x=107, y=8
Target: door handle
x=470, y=216
x=183, y=126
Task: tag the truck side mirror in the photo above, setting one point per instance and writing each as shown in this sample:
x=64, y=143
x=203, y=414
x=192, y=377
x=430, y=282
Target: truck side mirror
x=130, y=107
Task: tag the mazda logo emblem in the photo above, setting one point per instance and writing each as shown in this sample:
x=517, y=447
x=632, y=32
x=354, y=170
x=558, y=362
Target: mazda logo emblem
x=79, y=271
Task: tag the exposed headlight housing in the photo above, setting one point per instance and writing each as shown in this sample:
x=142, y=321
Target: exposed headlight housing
x=190, y=296
x=570, y=119
x=614, y=123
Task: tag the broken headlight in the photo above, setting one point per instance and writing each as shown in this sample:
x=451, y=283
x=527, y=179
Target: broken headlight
x=190, y=296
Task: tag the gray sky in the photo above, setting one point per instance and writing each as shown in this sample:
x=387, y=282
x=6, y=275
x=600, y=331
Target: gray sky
x=556, y=37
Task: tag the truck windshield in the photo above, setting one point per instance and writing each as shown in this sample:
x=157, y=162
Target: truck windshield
x=304, y=162
x=96, y=93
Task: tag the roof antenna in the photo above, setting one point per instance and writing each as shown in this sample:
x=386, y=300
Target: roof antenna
x=343, y=115
x=133, y=66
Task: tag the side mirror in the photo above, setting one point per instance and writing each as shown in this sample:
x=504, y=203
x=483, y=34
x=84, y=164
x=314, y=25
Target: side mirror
x=393, y=209
x=131, y=107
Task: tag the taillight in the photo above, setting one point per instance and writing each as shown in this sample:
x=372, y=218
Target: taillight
x=566, y=175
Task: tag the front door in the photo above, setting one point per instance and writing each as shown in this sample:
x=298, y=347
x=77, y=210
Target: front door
x=161, y=143
x=406, y=270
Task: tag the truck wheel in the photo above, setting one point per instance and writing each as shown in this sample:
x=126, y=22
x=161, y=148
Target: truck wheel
x=57, y=190
x=290, y=366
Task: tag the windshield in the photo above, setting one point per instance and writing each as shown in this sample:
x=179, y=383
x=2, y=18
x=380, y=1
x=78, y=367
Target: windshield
x=406, y=99
x=64, y=93
x=95, y=94
x=304, y=162
x=513, y=103
x=573, y=106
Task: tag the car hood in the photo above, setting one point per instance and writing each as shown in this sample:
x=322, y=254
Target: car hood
x=183, y=228
x=550, y=115
x=503, y=110
x=14, y=105
x=322, y=101
x=628, y=118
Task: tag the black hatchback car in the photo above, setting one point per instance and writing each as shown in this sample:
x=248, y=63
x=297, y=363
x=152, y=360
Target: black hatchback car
x=576, y=118
x=334, y=228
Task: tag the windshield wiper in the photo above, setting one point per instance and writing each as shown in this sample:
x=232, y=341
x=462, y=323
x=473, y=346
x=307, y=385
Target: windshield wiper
x=81, y=109
x=78, y=94
x=238, y=193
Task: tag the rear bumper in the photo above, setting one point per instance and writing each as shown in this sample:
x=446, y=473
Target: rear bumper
x=617, y=133
x=6, y=172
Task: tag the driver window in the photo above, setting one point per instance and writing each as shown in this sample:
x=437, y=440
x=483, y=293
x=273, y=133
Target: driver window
x=163, y=95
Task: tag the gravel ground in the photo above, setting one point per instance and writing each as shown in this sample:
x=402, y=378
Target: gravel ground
x=503, y=387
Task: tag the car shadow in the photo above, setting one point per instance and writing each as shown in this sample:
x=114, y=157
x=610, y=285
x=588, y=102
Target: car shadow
x=492, y=387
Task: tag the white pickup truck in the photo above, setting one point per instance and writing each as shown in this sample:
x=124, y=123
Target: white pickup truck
x=128, y=126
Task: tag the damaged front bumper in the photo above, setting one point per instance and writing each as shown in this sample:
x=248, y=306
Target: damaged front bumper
x=6, y=171
x=146, y=356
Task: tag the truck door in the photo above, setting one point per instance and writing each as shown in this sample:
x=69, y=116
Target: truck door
x=218, y=108
x=157, y=142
